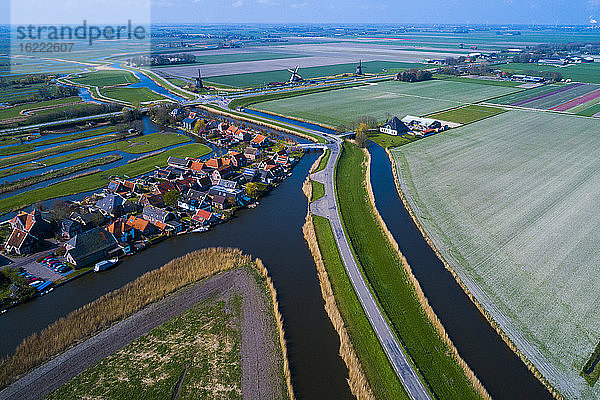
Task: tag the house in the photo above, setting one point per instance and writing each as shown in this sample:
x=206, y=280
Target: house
x=111, y=205
x=141, y=226
x=32, y=223
x=164, y=187
x=186, y=183
x=237, y=133
x=249, y=174
x=180, y=163
x=204, y=217
x=176, y=112
x=251, y=153
x=122, y=231
x=87, y=219
x=227, y=184
x=237, y=159
x=197, y=166
x=394, y=127
x=156, y=200
x=21, y=242
x=154, y=214
x=90, y=247
x=173, y=227
x=217, y=163
x=193, y=200
x=259, y=141
x=163, y=173
x=204, y=183
x=219, y=174
x=116, y=187
x=190, y=121
x=70, y=228
x=220, y=202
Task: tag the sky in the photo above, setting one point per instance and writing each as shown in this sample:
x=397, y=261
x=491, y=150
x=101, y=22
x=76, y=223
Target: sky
x=304, y=11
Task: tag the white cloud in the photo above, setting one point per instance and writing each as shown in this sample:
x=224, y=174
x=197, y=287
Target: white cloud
x=238, y=3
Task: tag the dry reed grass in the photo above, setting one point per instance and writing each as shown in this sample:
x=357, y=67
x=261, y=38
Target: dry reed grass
x=359, y=385
x=279, y=322
x=433, y=318
x=481, y=309
x=117, y=305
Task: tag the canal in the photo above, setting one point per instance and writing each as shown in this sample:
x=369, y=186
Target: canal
x=272, y=232
x=502, y=373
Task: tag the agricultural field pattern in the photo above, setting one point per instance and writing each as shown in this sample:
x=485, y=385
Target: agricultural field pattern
x=511, y=204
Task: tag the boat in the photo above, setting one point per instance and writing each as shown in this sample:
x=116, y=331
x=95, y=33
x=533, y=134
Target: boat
x=201, y=229
x=106, y=264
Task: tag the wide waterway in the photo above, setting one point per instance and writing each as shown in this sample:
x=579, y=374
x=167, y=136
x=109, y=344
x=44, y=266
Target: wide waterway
x=502, y=373
x=272, y=232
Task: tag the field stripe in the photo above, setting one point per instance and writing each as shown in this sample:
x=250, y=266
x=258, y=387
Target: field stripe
x=542, y=96
x=577, y=101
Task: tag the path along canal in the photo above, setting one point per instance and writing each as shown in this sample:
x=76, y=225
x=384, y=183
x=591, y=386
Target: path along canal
x=502, y=373
x=273, y=232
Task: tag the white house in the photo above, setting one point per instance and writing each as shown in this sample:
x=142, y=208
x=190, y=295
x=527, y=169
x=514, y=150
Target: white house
x=394, y=127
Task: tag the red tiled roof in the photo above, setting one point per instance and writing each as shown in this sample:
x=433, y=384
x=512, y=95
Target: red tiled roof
x=197, y=166
x=258, y=139
x=137, y=223
x=202, y=215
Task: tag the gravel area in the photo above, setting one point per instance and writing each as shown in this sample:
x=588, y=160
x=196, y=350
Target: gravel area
x=261, y=361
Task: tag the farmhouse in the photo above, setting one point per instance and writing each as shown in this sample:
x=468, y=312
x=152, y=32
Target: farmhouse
x=90, y=247
x=394, y=127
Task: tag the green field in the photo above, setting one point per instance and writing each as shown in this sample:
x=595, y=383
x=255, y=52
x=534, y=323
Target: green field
x=323, y=162
x=374, y=361
x=104, y=78
x=467, y=114
x=588, y=72
x=382, y=100
x=512, y=202
x=203, y=341
x=318, y=190
x=14, y=112
x=590, y=111
x=262, y=78
x=387, y=141
x=99, y=179
x=36, y=155
x=132, y=95
x=21, y=148
x=394, y=291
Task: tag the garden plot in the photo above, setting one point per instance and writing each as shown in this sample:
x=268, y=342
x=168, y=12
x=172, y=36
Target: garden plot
x=383, y=99
x=512, y=203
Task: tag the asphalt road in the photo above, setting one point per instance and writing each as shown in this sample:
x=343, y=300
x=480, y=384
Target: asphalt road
x=326, y=207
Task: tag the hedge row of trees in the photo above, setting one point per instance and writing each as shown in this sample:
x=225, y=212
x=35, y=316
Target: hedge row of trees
x=413, y=75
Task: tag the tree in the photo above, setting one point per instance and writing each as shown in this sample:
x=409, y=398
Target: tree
x=199, y=126
x=171, y=197
x=256, y=189
x=361, y=135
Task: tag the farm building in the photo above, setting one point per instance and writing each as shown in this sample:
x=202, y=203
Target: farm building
x=90, y=247
x=394, y=127
x=421, y=123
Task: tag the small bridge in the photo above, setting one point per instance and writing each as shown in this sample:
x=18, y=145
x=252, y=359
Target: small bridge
x=307, y=146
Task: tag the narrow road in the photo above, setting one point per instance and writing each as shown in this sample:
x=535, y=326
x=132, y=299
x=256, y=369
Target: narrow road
x=326, y=207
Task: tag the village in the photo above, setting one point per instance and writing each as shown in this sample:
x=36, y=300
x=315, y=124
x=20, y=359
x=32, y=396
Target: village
x=51, y=247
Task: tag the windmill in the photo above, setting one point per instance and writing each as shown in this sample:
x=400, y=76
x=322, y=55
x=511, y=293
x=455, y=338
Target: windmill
x=295, y=77
x=359, y=68
x=199, y=83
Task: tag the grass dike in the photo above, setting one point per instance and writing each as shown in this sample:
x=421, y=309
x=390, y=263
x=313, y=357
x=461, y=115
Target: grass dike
x=392, y=287
x=433, y=318
x=115, y=306
x=511, y=345
x=359, y=385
